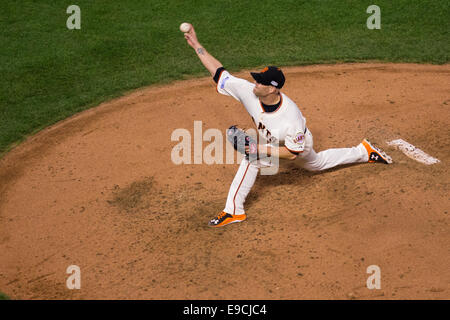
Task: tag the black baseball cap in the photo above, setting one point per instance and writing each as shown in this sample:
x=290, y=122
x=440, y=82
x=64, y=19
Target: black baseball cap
x=270, y=76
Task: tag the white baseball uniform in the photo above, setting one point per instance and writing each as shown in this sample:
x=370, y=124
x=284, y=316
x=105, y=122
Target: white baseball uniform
x=286, y=127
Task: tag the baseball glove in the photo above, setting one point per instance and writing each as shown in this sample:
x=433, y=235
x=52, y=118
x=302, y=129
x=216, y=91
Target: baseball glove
x=239, y=139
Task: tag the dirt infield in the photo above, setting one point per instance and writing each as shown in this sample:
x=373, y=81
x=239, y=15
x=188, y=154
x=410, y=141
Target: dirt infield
x=100, y=191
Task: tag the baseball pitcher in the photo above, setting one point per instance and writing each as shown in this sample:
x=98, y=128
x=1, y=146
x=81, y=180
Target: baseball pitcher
x=281, y=126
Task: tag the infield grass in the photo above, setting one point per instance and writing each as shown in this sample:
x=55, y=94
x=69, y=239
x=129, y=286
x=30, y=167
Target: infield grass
x=49, y=72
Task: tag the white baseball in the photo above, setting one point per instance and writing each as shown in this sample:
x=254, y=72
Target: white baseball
x=185, y=27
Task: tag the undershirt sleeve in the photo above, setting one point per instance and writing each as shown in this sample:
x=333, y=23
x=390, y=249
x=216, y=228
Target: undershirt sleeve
x=218, y=73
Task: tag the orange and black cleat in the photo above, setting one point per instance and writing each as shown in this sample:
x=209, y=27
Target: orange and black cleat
x=375, y=154
x=225, y=218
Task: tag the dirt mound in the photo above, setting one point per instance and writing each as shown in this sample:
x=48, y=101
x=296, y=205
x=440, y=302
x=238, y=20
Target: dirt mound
x=100, y=191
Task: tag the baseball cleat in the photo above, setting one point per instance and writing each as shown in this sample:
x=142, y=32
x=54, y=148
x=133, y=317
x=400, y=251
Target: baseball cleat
x=375, y=154
x=225, y=218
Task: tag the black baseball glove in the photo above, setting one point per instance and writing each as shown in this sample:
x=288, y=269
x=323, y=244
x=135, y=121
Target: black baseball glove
x=239, y=139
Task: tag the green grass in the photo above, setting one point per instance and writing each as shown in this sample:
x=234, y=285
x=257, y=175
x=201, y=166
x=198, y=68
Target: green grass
x=3, y=296
x=49, y=72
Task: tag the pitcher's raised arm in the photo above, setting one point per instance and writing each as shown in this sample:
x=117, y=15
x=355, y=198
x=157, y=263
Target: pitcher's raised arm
x=210, y=63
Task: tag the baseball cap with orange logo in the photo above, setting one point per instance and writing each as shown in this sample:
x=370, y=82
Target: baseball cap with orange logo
x=270, y=76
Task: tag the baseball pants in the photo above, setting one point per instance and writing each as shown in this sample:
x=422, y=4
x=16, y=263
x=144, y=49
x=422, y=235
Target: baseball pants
x=309, y=160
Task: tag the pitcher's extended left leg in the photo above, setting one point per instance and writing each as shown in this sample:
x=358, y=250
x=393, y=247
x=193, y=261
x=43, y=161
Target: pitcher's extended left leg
x=364, y=152
x=333, y=157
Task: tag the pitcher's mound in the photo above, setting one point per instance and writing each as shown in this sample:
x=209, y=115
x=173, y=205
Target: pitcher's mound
x=101, y=192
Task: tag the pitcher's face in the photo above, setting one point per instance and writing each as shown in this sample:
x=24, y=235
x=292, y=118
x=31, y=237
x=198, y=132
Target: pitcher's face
x=261, y=90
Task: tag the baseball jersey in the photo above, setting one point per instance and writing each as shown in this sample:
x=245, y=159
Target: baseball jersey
x=285, y=126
